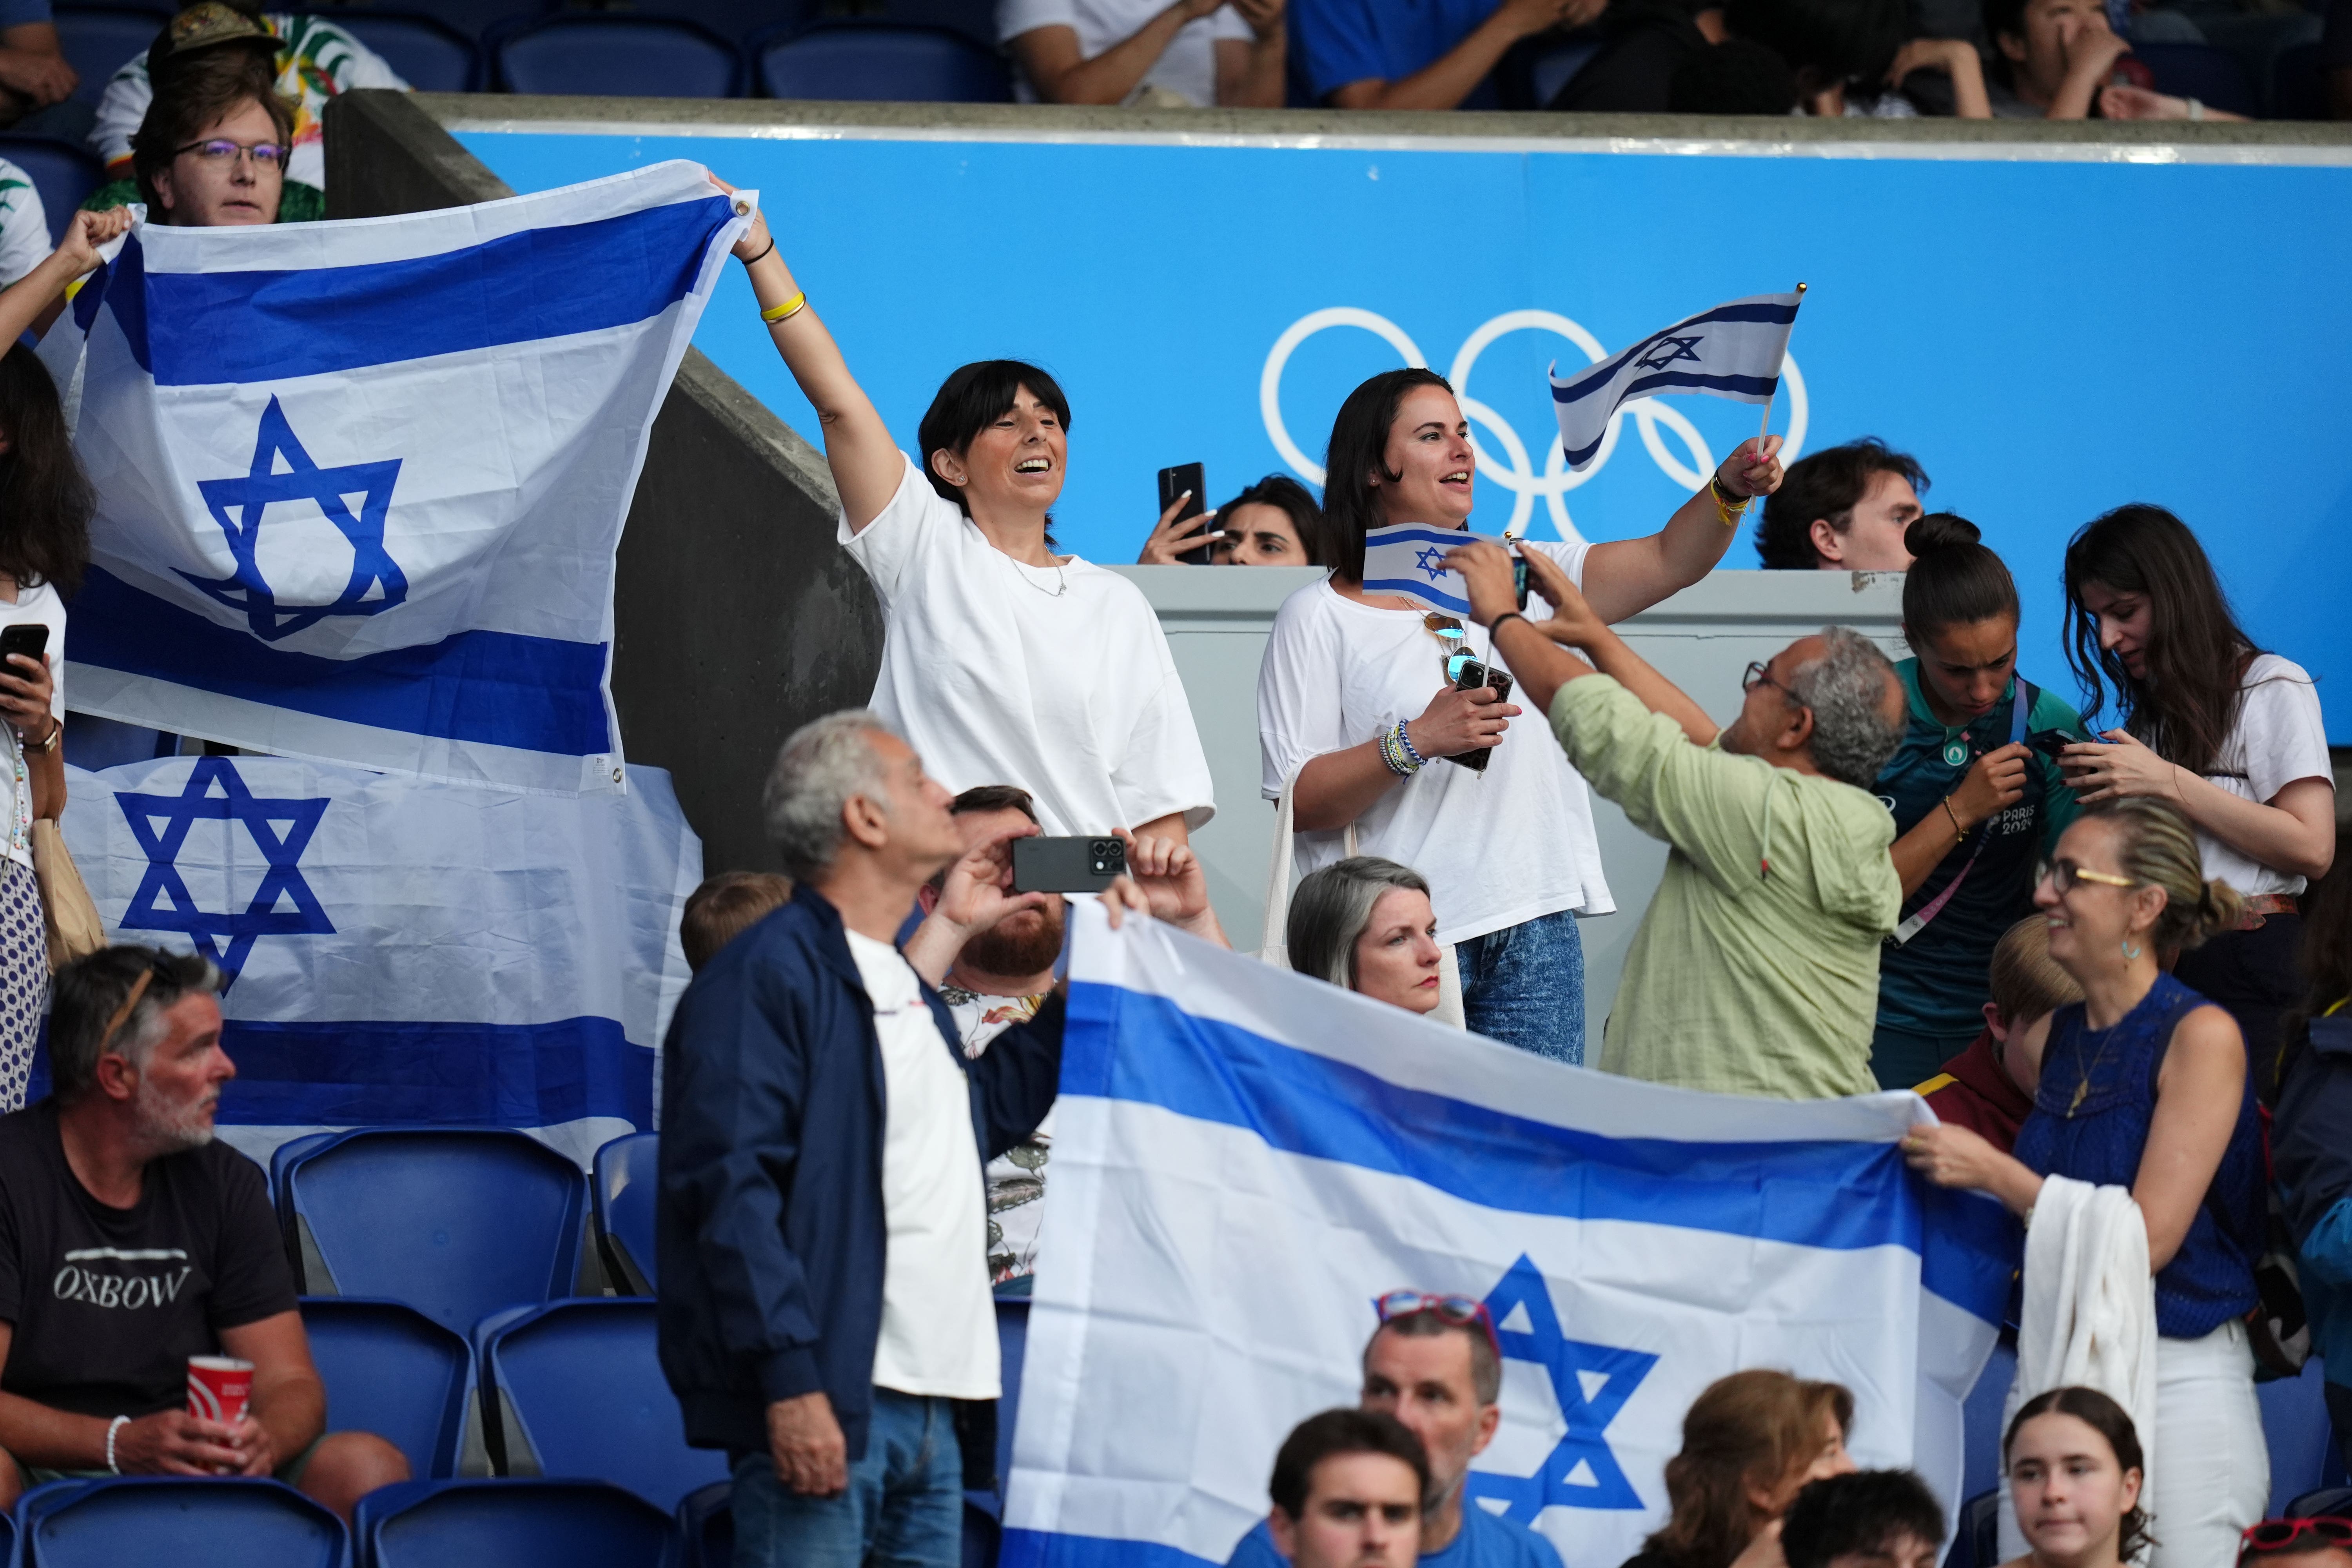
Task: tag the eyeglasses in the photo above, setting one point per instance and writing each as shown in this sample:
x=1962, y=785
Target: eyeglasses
x=2063, y=875
x=1452, y=639
x=2272, y=1534
x=1759, y=673
x=1460, y=1310
x=220, y=149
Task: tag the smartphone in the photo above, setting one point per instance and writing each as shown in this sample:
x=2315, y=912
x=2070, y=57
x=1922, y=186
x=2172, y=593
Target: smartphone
x=1174, y=483
x=1469, y=675
x=30, y=638
x=2052, y=744
x=1086, y=865
x=1519, y=577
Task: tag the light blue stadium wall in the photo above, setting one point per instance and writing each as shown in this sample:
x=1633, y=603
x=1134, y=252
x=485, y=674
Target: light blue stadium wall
x=2051, y=329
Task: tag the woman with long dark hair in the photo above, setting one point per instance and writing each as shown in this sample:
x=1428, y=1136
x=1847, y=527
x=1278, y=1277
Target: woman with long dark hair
x=1003, y=662
x=2230, y=734
x=1975, y=806
x=1345, y=707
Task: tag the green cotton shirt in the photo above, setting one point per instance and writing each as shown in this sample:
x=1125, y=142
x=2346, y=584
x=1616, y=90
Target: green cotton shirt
x=1738, y=981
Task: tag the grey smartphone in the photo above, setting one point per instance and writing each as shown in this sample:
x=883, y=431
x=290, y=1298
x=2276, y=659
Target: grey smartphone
x=1469, y=674
x=1084, y=865
x=1174, y=483
x=30, y=638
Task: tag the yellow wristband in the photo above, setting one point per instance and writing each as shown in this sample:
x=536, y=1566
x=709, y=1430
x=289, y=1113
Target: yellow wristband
x=787, y=311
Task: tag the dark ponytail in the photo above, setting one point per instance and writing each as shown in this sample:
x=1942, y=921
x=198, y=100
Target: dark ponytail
x=1954, y=580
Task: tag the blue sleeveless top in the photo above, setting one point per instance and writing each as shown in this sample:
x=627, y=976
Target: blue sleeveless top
x=2090, y=1121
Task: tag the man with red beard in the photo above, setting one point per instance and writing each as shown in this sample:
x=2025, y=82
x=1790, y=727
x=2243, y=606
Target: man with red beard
x=999, y=978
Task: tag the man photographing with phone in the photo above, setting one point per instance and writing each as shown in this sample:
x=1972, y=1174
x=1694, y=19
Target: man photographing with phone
x=1756, y=967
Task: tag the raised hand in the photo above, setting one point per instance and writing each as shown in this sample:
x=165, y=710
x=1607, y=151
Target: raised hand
x=1173, y=535
x=1753, y=468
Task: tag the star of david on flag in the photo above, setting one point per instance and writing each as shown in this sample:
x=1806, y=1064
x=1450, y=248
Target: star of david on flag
x=1246, y=1161
x=1738, y=355
x=282, y=903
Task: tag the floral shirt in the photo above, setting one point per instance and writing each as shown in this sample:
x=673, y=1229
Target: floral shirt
x=1016, y=1178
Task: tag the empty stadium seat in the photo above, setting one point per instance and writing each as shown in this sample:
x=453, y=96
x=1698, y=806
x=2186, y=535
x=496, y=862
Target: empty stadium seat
x=62, y=175
x=734, y=20
x=457, y=1222
x=2299, y=84
x=512, y=1524
x=2334, y=1502
x=622, y=1187
x=620, y=55
x=186, y=1521
x=1981, y=1422
x=580, y=1394
x=391, y=1370
x=2214, y=77
x=99, y=40
x=706, y=1519
x=2301, y=1438
x=430, y=54
x=883, y=63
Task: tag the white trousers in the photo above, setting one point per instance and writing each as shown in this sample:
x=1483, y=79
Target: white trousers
x=2213, y=1463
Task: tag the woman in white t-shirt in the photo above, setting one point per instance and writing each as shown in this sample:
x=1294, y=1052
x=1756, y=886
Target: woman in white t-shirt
x=1003, y=662
x=2226, y=733
x=1155, y=54
x=1353, y=702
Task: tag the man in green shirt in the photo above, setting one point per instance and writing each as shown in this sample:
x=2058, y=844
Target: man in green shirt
x=1756, y=969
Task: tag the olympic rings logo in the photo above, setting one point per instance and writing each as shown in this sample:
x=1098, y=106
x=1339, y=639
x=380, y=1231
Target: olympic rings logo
x=1519, y=477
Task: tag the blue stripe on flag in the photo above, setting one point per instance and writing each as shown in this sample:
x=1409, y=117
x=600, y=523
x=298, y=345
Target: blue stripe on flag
x=1586, y=382
x=1419, y=590
x=206, y=329
x=451, y=1074
x=1041, y=1549
x=1841, y=1193
x=537, y=694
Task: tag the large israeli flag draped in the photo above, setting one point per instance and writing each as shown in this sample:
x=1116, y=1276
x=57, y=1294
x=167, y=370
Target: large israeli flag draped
x=1244, y=1159
x=406, y=952
x=360, y=483
x=1733, y=350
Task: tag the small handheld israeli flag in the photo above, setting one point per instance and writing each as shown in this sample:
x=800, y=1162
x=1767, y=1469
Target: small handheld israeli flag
x=399, y=950
x=1733, y=350
x=359, y=484
x=1409, y=560
x=1246, y=1159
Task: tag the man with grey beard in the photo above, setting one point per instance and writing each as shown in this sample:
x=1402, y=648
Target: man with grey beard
x=129, y=1241
x=1000, y=977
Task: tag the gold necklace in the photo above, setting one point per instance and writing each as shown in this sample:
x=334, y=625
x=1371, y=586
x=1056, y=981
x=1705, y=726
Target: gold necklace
x=2083, y=1090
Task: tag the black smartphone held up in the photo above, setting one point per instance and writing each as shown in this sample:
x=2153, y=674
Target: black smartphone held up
x=1067, y=865
x=1519, y=577
x=2052, y=744
x=1174, y=483
x=30, y=638
x=1469, y=675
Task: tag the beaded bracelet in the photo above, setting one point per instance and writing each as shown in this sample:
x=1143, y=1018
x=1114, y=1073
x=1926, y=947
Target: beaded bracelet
x=1398, y=752
x=1406, y=741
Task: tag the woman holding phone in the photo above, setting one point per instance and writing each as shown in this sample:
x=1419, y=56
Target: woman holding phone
x=2230, y=734
x=1358, y=711
x=1002, y=661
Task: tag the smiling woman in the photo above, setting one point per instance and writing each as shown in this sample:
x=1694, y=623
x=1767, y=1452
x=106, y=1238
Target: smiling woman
x=1003, y=662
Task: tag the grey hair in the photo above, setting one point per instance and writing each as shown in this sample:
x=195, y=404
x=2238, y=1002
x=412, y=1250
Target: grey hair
x=90, y=990
x=1846, y=689
x=820, y=766
x=1331, y=908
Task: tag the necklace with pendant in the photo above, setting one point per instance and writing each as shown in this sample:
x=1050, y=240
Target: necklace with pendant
x=1955, y=751
x=2083, y=1090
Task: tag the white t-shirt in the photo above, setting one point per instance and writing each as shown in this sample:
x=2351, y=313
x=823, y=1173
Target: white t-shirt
x=938, y=1327
x=24, y=225
x=1498, y=850
x=43, y=607
x=1188, y=67
x=1016, y=1178
x=1054, y=678
x=2278, y=739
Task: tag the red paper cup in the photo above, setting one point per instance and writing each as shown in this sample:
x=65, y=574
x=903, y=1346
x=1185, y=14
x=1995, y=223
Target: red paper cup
x=219, y=1388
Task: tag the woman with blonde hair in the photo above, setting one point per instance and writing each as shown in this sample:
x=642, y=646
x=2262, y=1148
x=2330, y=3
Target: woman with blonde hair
x=2143, y=1086
x=1750, y=1444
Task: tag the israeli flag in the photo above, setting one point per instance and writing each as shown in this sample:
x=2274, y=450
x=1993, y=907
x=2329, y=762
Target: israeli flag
x=1733, y=350
x=404, y=952
x=360, y=483
x=1245, y=1160
x=1409, y=560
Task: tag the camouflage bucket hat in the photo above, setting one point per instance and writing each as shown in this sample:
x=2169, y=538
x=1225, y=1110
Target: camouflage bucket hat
x=207, y=24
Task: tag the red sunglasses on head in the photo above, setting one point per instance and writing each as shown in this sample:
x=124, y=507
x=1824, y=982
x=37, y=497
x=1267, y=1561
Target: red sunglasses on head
x=2276, y=1534
x=1460, y=1310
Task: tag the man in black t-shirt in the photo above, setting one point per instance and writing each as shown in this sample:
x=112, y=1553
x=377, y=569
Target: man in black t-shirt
x=129, y=1241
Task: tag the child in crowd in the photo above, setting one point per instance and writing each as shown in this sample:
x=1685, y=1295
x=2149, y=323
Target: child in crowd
x=725, y=906
x=2074, y=1468
x=1988, y=1087
x=1872, y=1519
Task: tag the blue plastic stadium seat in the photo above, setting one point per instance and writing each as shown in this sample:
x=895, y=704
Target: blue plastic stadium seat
x=1981, y=1422
x=2301, y=1438
x=706, y=1519
x=430, y=54
x=62, y=175
x=622, y=1189
x=284, y=1158
x=391, y=1370
x=620, y=55
x=513, y=1523
x=99, y=40
x=2215, y=77
x=457, y=1222
x=734, y=20
x=2334, y=1502
x=581, y=1394
x=880, y=63
x=1980, y=1532
x=186, y=1521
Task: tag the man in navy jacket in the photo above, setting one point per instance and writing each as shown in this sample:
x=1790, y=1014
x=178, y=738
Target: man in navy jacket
x=822, y=1244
